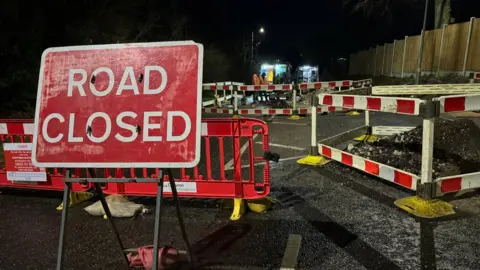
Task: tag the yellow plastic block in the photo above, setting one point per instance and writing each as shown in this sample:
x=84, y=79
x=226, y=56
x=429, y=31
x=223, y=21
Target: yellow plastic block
x=353, y=113
x=76, y=198
x=425, y=208
x=365, y=138
x=238, y=209
x=236, y=116
x=260, y=205
x=313, y=160
x=294, y=117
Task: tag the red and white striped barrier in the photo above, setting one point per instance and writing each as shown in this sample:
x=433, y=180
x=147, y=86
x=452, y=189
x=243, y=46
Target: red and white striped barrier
x=16, y=128
x=459, y=103
x=380, y=104
x=411, y=106
x=388, y=173
x=458, y=183
x=321, y=85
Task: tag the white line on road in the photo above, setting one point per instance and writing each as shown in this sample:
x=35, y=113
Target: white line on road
x=262, y=163
x=285, y=146
x=289, y=261
x=287, y=123
x=229, y=164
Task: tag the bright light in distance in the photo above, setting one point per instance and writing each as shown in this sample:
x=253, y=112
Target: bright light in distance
x=262, y=30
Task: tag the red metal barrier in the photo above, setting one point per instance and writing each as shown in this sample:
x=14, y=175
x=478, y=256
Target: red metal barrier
x=210, y=179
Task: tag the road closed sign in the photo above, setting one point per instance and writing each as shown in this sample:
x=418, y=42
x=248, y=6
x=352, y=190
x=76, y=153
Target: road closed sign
x=119, y=106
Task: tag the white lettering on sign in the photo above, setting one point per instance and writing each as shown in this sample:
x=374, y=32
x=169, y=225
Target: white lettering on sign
x=99, y=137
x=77, y=78
x=45, y=125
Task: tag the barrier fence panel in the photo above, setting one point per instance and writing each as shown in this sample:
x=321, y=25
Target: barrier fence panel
x=221, y=147
x=426, y=186
x=352, y=87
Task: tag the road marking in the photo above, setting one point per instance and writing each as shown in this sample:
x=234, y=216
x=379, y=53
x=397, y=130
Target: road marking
x=287, y=123
x=289, y=261
x=229, y=164
x=263, y=163
x=285, y=146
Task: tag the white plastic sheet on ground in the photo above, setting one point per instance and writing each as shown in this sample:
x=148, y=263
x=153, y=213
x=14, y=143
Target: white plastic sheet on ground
x=119, y=206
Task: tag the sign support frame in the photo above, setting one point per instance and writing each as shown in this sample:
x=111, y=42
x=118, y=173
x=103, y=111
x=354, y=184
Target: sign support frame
x=158, y=212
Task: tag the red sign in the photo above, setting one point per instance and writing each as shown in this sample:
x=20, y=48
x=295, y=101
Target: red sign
x=119, y=105
x=18, y=163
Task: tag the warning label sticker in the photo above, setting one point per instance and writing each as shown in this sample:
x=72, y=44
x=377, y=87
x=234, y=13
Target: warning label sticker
x=18, y=163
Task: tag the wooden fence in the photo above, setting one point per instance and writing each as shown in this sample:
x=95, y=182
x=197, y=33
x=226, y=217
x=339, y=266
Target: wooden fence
x=454, y=48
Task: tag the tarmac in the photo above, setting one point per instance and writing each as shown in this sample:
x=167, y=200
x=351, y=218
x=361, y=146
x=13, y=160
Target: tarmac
x=345, y=218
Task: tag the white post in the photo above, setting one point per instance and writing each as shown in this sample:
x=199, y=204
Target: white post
x=367, y=118
x=427, y=150
x=314, y=146
x=441, y=50
x=235, y=102
x=404, y=54
x=375, y=64
x=393, y=58
x=468, y=46
x=294, y=101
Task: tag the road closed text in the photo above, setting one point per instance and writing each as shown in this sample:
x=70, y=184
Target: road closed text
x=152, y=122
x=126, y=126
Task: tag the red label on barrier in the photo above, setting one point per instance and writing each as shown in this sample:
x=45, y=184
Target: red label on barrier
x=18, y=163
x=120, y=105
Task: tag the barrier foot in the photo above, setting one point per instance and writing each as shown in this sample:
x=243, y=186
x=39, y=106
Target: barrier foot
x=236, y=116
x=294, y=117
x=425, y=208
x=313, y=160
x=238, y=209
x=260, y=205
x=76, y=198
x=352, y=113
x=365, y=138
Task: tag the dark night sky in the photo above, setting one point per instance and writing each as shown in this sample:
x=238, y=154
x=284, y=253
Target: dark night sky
x=315, y=29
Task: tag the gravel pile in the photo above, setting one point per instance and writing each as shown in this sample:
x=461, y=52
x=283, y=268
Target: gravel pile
x=456, y=149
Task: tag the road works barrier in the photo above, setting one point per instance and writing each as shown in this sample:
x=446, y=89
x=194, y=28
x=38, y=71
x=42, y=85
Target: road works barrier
x=210, y=179
x=294, y=112
x=457, y=98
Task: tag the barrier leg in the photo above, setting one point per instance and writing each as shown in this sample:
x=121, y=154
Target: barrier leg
x=314, y=158
x=423, y=205
x=294, y=103
x=367, y=137
x=235, y=103
x=181, y=224
x=61, y=241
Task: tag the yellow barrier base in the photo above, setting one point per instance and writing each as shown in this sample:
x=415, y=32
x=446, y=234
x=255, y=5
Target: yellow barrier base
x=294, y=117
x=365, y=138
x=313, y=160
x=260, y=205
x=425, y=208
x=238, y=209
x=353, y=113
x=236, y=116
x=76, y=198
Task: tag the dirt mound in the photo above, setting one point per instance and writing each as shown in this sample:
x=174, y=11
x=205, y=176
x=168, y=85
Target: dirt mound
x=456, y=149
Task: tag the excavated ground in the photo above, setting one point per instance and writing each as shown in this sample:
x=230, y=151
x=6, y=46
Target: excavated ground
x=456, y=149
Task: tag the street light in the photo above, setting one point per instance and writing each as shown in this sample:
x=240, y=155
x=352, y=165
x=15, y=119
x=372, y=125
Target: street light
x=261, y=31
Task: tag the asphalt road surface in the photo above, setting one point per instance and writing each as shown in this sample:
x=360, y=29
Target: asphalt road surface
x=346, y=220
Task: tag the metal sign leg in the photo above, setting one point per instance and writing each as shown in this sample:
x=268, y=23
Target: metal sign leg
x=179, y=216
x=63, y=223
x=98, y=187
x=158, y=217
